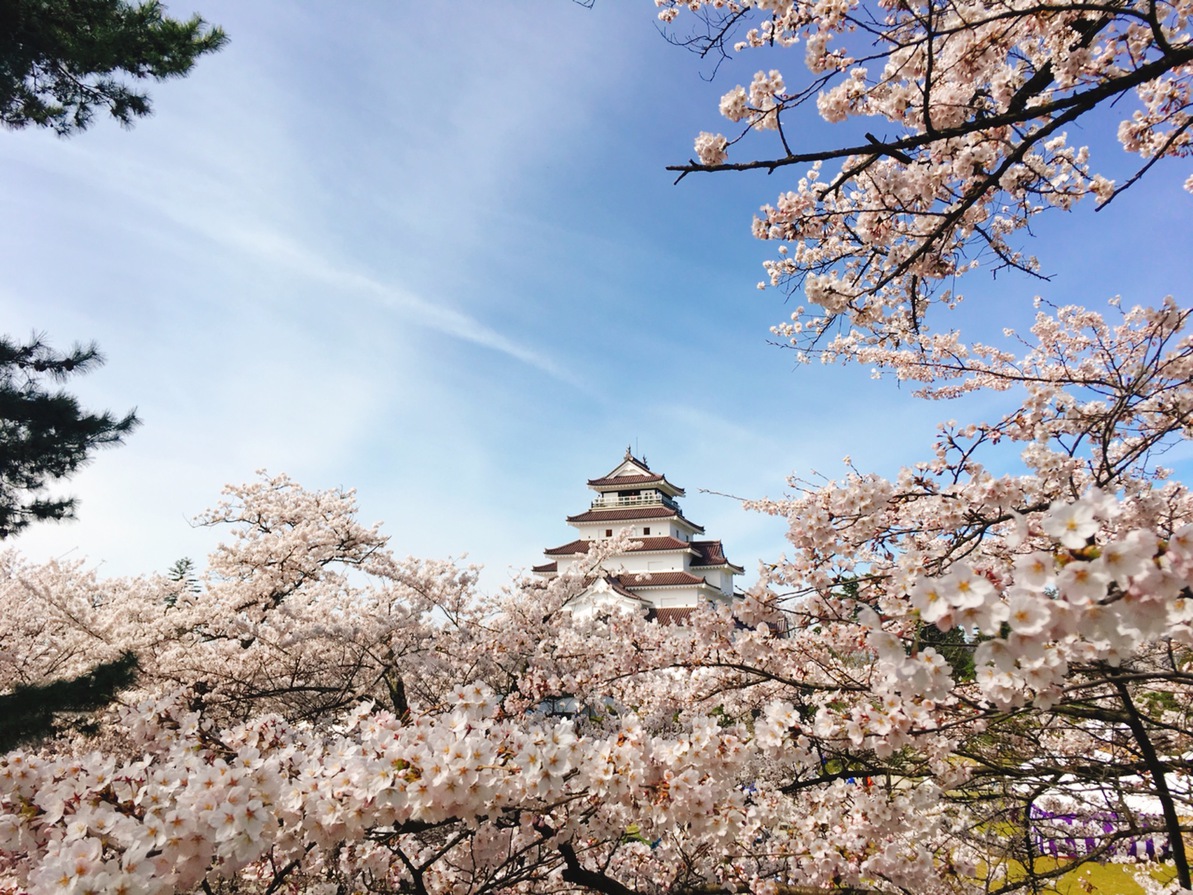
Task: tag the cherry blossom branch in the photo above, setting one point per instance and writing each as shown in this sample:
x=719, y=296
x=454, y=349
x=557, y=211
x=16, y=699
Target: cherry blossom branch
x=1073, y=106
x=1159, y=781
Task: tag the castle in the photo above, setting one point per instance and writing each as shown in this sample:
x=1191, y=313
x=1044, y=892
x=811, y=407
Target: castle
x=671, y=569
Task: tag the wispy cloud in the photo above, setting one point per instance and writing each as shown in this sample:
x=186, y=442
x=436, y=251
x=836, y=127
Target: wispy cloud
x=191, y=211
x=265, y=245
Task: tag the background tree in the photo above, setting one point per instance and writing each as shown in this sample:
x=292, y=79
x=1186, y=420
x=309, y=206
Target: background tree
x=184, y=578
x=60, y=60
x=34, y=712
x=44, y=434
x=838, y=754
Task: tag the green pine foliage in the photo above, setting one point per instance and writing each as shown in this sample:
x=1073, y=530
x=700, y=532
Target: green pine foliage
x=956, y=646
x=185, y=579
x=60, y=60
x=44, y=434
x=35, y=712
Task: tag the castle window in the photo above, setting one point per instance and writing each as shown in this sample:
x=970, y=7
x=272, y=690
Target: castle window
x=646, y=529
x=608, y=532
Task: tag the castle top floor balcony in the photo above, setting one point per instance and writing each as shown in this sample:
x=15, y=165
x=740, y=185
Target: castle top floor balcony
x=614, y=501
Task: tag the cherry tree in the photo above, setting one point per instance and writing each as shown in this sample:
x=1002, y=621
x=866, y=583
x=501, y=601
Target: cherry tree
x=813, y=742
x=948, y=673
x=972, y=101
x=843, y=755
x=302, y=611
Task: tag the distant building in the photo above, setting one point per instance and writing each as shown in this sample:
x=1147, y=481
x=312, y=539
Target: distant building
x=670, y=572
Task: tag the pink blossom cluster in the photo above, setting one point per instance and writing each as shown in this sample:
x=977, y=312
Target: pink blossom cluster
x=937, y=654
x=266, y=800
x=478, y=786
x=973, y=103
x=932, y=648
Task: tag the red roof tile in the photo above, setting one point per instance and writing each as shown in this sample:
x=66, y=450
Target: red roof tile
x=711, y=553
x=568, y=549
x=659, y=579
x=672, y=616
x=655, y=512
x=648, y=544
x=626, y=479
x=660, y=544
x=634, y=515
x=622, y=482
x=545, y=568
x=619, y=588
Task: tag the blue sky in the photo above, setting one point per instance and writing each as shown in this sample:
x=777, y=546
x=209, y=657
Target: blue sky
x=431, y=252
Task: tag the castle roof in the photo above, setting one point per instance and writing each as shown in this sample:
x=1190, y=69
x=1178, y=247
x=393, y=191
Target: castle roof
x=711, y=554
x=624, y=591
x=675, y=615
x=640, y=580
x=633, y=473
x=646, y=545
x=632, y=513
x=626, y=479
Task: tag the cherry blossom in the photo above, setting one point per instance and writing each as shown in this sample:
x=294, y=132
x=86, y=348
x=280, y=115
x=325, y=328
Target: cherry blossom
x=968, y=112
x=942, y=661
